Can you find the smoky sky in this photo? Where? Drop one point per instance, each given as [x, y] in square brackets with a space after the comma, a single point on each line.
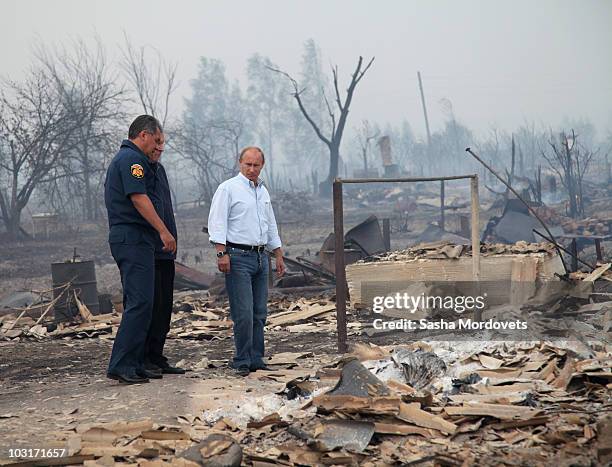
[500, 63]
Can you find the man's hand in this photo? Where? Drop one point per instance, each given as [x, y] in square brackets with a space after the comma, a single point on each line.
[169, 242]
[280, 266]
[145, 207]
[223, 263]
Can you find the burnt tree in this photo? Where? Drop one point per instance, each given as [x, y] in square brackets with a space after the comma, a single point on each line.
[570, 161]
[36, 130]
[365, 135]
[87, 87]
[152, 79]
[334, 136]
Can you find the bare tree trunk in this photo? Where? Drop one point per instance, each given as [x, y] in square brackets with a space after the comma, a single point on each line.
[571, 184]
[86, 175]
[325, 187]
[337, 126]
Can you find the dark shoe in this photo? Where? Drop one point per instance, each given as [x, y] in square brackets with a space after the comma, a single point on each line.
[261, 366]
[127, 379]
[150, 373]
[242, 370]
[173, 370]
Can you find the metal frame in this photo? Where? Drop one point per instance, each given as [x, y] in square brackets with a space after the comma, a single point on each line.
[341, 286]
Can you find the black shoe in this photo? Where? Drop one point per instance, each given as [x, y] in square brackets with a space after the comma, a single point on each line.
[261, 366]
[150, 373]
[173, 370]
[127, 379]
[242, 370]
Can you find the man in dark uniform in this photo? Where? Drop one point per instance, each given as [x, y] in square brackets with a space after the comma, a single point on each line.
[134, 228]
[155, 360]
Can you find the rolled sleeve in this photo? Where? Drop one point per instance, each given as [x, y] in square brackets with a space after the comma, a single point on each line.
[274, 240]
[218, 216]
[132, 170]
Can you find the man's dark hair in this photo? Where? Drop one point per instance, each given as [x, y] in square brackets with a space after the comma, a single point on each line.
[144, 123]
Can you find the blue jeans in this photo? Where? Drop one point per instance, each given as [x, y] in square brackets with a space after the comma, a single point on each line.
[247, 288]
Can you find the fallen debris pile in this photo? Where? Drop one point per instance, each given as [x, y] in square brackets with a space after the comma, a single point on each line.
[447, 250]
[509, 274]
[472, 403]
[595, 225]
[196, 316]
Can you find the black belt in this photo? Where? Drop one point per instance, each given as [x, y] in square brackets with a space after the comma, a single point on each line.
[257, 248]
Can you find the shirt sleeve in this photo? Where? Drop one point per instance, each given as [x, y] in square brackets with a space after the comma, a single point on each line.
[274, 240]
[132, 172]
[218, 216]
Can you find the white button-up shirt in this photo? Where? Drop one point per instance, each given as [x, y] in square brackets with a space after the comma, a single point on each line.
[241, 212]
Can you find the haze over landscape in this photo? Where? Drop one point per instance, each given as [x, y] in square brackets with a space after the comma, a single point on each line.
[499, 63]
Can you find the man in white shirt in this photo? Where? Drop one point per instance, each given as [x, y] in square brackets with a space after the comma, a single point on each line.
[242, 226]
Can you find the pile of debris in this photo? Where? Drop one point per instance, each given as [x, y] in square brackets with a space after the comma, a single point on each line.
[387, 195]
[588, 226]
[504, 272]
[448, 250]
[448, 403]
[595, 225]
[196, 316]
[288, 203]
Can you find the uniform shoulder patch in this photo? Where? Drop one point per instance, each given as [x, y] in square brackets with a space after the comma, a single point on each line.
[137, 171]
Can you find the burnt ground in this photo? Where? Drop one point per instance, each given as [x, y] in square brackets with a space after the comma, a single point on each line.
[44, 383]
[52, 385]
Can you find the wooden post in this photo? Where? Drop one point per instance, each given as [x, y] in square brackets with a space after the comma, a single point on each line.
[598, 249]
[442, 204]
[341, 292]
[475, 238]
[387, 234]
[574, 250]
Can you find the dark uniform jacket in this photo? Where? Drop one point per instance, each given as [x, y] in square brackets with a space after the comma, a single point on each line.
[162, 200]
[128, 173]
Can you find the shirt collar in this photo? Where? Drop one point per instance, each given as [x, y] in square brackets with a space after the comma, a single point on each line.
[129, 144]
[245, 180]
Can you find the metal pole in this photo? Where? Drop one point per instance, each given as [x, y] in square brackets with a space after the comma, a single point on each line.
[529, 208]
[475, 229]
[387, 234]
[424, 110]
[569, 252]
[442, 204]
[341, 292]
[404, 179]
[475, 239]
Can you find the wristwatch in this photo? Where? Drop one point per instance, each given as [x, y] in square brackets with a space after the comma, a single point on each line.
[221, 254]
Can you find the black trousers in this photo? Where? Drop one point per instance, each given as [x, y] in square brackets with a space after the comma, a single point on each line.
[135, 259]
[162, 311]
